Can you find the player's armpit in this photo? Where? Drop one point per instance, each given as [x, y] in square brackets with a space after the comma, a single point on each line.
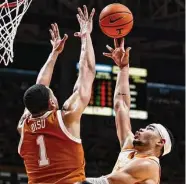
[73, 108]
[80, 98]
[128, 143]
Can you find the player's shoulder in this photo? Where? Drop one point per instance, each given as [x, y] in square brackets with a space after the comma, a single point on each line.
[53, 117]
[144, 168]
[146, 164]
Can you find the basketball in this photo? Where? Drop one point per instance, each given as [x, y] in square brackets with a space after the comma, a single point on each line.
[116, 20]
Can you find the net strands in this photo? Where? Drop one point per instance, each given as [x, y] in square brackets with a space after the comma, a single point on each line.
[10, 17]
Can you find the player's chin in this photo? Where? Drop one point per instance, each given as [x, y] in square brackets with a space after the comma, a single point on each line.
[137, 142]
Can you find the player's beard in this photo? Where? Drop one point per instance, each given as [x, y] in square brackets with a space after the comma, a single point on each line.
[137, 143]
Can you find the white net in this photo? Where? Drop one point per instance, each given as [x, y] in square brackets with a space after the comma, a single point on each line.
[10, 18]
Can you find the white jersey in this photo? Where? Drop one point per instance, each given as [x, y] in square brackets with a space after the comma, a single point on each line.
[128, 155]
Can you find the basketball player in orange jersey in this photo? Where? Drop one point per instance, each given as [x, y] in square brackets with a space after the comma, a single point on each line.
[138, 161]
[50, 143]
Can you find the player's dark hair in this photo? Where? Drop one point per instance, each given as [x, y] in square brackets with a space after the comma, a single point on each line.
[172, 142]
[36, 98]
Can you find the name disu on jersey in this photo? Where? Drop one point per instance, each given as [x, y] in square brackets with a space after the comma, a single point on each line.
[37, 125]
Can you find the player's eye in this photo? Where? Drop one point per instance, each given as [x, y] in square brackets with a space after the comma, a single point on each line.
[150, 128]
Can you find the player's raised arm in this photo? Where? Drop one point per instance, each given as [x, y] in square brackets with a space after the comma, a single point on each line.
[80, 98]
[46, 71]
[122, 93]
[45, 74]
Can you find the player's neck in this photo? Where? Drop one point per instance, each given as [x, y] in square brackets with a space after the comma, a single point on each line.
[142, 153]
[38, 114]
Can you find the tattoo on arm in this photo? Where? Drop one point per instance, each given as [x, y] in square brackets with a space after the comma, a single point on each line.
[122, 94]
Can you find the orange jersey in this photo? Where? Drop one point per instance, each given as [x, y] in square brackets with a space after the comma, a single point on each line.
[51, 154]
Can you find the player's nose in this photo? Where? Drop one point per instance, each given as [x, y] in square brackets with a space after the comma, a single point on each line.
[137, 132]
[141, 130]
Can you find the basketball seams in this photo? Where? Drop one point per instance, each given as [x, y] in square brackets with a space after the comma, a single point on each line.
[113, 36]
[114, 13]
[118, 25]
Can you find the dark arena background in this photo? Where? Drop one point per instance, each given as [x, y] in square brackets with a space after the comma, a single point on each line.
[157, 81]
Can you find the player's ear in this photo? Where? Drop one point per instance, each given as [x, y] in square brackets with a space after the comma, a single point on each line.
[51, 104]
[161, 142]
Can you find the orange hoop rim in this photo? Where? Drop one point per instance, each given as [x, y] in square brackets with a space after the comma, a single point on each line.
[10, 5]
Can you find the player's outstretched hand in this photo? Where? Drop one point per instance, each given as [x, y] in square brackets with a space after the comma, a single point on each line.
[85, 21]
[119, 54]
[56, 41]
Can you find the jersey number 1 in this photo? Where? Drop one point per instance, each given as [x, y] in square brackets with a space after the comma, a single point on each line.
[43, 161]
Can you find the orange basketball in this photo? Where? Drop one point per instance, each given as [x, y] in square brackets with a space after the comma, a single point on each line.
[116, 20]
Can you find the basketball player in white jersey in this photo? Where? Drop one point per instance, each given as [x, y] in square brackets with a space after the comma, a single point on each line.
[138, 161]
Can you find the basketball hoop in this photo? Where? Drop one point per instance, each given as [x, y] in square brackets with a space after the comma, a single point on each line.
[11, 15]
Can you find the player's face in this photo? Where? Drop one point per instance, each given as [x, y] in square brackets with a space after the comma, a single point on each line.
[53, 99]
[148, 136]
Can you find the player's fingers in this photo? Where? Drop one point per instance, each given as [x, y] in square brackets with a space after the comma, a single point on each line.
[51, 42]
[92, 14]
[116, 45]
[79, 19]
[65, 37]
[52, 34]
[81, 13]
[85, 12]
[77, 34]
[127, 52]
[109, 48]
[107, 54]
[57, 29]
[54, 30]
[122, 44]
[122, 58]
